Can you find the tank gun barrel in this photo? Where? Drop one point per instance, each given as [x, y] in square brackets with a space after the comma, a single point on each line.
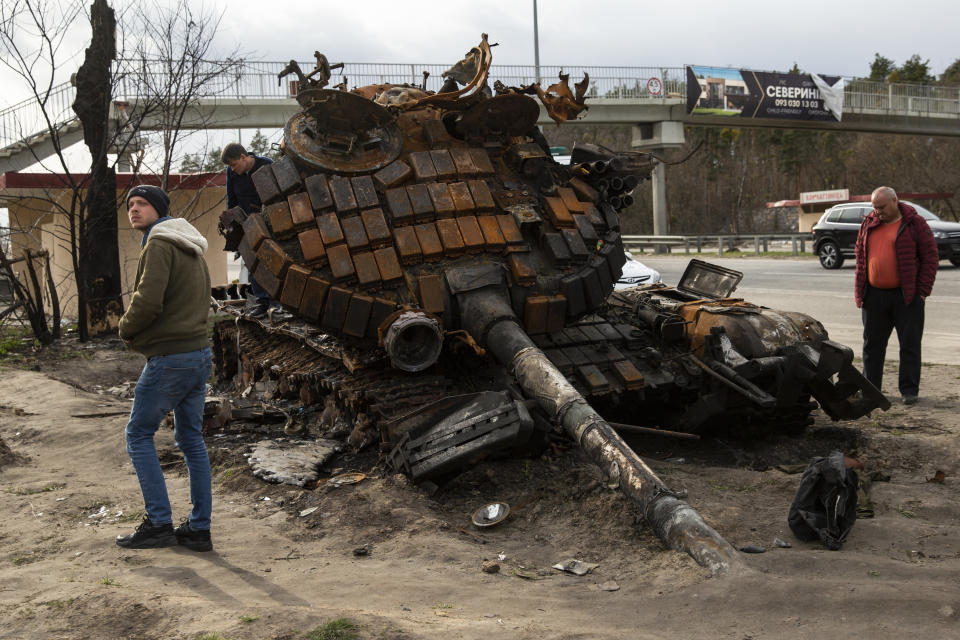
[487, 315]
[413, 341]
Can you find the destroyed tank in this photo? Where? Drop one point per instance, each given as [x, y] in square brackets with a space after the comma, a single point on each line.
[446, 290]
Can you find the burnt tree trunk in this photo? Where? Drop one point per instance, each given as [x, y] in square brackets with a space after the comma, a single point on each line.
[99, 286]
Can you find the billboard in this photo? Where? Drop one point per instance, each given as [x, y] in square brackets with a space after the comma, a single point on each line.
[722, 91]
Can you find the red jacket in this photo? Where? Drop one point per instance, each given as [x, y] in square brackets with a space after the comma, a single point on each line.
[917, 255]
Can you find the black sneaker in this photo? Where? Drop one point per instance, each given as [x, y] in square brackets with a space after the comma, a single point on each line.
[910, 398]
[149, 536]
[193, 539]
[258, 311]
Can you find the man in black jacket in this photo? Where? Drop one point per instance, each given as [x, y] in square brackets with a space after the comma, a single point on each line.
[241, 193]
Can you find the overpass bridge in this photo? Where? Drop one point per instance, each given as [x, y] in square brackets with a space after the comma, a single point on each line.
[249, 96]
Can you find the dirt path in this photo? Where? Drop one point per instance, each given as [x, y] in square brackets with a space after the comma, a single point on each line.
[277, 575]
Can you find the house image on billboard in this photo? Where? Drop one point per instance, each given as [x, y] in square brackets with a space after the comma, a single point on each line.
[721, 89]
[722, 93]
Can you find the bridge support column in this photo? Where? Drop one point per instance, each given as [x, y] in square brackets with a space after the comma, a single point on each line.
[659, 182]
[656, 137]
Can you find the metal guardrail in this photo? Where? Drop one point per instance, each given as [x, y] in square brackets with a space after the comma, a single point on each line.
[258, 80]
[719, 243]
[901, 99]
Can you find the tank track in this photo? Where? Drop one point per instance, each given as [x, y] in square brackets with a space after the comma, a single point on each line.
[247, 348]
[610, 361]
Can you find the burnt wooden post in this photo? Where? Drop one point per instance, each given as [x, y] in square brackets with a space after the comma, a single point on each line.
[97, 255]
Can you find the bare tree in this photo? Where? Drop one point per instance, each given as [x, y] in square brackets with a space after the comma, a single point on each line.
[159, 79]
[32, 36]
[173, 64]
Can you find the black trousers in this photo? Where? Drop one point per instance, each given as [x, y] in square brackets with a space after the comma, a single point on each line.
[883, 311]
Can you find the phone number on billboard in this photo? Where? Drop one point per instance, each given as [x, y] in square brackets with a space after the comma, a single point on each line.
[806, 104]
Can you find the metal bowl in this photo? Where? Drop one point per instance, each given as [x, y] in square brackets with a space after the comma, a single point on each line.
[346, 478]
[490, 514]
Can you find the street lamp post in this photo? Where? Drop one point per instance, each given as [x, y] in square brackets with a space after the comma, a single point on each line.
[536, 41]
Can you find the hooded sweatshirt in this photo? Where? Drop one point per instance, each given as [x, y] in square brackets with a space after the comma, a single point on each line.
[169, 308]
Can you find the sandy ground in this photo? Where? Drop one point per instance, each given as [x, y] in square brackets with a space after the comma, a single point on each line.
[67, 489]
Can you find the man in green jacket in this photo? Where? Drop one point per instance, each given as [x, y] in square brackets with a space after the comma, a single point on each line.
[167, 322]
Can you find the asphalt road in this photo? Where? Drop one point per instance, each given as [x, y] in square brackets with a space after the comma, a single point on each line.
[801, 284]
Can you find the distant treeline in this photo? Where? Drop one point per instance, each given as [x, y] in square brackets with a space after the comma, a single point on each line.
[730, 174]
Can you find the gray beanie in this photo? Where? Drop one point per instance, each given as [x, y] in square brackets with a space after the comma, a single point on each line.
[156, 196]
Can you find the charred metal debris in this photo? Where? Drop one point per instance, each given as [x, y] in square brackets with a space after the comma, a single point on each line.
[444, 293]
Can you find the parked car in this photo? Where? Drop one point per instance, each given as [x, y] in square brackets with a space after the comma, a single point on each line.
[635, 273]
[835, 235]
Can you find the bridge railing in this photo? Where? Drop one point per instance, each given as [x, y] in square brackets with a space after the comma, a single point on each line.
[258, 80]
[26, 118]
[905, 99]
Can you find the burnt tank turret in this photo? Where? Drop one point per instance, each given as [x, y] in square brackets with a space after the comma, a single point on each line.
[409, 236]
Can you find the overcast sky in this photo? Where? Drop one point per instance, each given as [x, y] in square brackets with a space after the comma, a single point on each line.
[837, 37]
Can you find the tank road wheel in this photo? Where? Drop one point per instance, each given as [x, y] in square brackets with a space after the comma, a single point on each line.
[830, 256]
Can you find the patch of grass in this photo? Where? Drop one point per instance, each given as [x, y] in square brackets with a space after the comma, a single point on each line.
[58, 604]
[906, 513]
[339, 629]
[95, 506]
[210, 636]
[108, 582]
[22, 560]
[13, 338]
[715, 112]
[229, 473]
[54, 486]
[9, 344]
[249, 619]
[132, 516]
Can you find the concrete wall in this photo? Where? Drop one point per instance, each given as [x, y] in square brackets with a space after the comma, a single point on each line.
[36, 224]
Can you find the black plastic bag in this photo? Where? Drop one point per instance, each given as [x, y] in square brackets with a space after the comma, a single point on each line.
[825, 506]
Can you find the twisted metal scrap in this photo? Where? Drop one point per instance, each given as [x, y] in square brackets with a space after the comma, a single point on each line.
[561, 103]
[316, 79]
[477, 61]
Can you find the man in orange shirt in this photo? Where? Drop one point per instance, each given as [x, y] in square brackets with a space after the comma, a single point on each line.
[897, 260]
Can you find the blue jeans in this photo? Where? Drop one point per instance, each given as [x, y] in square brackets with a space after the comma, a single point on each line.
[174, 382]
[261, 294]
